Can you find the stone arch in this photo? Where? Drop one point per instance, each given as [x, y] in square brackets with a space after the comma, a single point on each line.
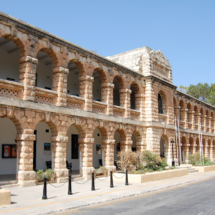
[204, 146]
[45, 68]
[196, 117]
[175, 106]
[8, 147]
[164, 145]
[189, 113]
[212, 122]
[162, 102]
[43, 47]
[191, 149]
[139, 141]
[21, 45]
[99, 81]
[10, 52]
[117, 91]
[181, 110]
[207, 119]
[73, 78]
[209, 149]
[75, 146]
[135, 89]
[99, 146]
[184, 151]
[202, 116]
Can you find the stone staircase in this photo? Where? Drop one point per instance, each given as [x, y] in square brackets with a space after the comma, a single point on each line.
[190, 168]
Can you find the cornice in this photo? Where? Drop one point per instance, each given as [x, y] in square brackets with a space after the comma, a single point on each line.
[154, 78]
[193, 98]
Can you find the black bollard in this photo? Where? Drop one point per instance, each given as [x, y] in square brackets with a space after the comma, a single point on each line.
[111, 179]
[70, 186]
[126, 177]
[44, 189]
[93, 183]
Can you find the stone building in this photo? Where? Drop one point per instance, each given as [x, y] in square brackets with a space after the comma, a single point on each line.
[60, 102]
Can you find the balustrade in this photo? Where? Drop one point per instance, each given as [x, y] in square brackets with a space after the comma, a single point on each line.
[11, 89]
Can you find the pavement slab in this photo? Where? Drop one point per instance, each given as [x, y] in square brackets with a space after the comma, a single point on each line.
[28, 200]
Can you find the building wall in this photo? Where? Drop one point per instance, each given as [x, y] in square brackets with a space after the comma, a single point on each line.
[27, 106]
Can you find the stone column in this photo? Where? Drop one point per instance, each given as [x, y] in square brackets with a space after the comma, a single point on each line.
[108, 149]
[86, 149]
[194, 146]
[140, 104]
[60, 85]
[186, 153]
[206, 147]
[86, 83]
[203, 122]
[151, 106]
[25, 141]
[27, 76]
[107, 98]
[209, 124]
[211, 152]
[125, 145]
[197, 120]
[125, 101]
[59, 156]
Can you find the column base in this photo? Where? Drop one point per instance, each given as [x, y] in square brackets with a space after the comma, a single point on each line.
[87, 171]
[61, 175]
[26, 178]
[110, 168]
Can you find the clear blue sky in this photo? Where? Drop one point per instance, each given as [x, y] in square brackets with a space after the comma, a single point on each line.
[183, 29]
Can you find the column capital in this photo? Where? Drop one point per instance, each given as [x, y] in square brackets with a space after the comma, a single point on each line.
[86, 78]
[107, 85]
[28, 59]
[60, 69]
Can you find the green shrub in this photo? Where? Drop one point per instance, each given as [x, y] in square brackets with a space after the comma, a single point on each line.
[194, 159]
[153, 161]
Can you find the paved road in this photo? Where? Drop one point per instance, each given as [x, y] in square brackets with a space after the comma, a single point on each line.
[194, 199]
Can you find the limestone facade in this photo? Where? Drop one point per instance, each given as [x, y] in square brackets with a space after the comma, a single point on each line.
[141, 78]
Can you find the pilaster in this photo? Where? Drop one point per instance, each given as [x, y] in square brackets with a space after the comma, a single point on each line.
[25, 176]
[60, 85]
[28, 76]
[59, 157]
[86, 83]
[107, 89]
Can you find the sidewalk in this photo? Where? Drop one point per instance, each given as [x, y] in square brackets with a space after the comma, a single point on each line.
[28, 200]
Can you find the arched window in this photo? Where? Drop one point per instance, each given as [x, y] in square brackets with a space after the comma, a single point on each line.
[134, 101]
[44, 71]
[116, 94]
[73, 87]
[9, 60]
[160, 104]
[97, 94]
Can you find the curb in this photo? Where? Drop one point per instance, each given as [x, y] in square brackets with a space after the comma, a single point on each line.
[126, 196]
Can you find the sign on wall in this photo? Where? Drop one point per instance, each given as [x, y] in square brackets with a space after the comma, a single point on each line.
[9, 151]
[47, 148]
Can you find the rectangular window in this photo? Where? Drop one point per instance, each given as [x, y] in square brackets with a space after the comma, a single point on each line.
[74, 146]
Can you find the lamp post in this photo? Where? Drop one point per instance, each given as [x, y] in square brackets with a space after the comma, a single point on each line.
[173, 162]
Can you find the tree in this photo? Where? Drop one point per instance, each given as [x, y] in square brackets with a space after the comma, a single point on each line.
[204, 92]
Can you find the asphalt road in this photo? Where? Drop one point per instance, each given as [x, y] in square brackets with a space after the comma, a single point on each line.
[195, 199]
